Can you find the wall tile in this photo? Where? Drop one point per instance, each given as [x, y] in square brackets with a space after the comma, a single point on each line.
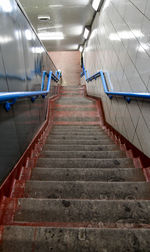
[120, 46]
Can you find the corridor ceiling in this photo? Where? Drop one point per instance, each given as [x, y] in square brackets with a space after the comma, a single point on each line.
[68, 19]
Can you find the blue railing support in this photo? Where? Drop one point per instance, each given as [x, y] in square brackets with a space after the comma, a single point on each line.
[126, 95]
[11, 97]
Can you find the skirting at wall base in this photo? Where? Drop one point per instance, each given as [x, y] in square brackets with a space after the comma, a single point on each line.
[140, 160]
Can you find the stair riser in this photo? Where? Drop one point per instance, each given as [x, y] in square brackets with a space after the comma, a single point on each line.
[64, 174]
[87, 190]
[84, 163]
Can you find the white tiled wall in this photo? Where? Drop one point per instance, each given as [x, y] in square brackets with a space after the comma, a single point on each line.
[120, 45]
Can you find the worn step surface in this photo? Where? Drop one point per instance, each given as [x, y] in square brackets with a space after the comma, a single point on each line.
[84, 163]
[77, 137]
[75, 239]
[76, 133]
[79, 142]
[87, 190]
[83, 154]
[87, 174]
[76, 147]
[83, 211]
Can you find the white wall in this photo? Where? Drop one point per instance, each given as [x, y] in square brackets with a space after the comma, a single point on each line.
[120, 45]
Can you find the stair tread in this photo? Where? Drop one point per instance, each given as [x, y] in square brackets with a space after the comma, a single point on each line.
[82, 154]
[84, 162]
[95, 211]
[94, 174]
[87, 190]
[63, 239]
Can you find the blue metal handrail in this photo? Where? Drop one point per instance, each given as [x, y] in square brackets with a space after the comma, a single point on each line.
[11, 97]
[126, 95]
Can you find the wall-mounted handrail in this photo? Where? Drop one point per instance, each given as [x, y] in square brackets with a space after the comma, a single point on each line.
[125, 95]
[11, 97]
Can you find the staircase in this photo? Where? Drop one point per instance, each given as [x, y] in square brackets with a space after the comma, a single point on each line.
[84, 194]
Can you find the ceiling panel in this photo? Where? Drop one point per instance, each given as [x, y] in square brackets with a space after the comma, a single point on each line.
[66, 16]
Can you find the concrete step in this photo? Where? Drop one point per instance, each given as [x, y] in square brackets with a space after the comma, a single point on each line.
[83, 211]
[82, 154]
[77, 137]
[87, 190]
[74, 102]
[75, 109]
[71, 93]
[76, 119]
[57, 239]
[84, 163]
[87, 174]
[79, 142]
[76, 133]
[85, 127]
[70, 147]
[79, 132]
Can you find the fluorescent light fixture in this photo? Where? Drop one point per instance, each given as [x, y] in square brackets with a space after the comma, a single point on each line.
[51, 35]
[75, 30]
[86, 33]
[55, 6]
[6, 6]
[49, 27]
[95, 4]
[73, 47]
[44, 18]
[81, 49]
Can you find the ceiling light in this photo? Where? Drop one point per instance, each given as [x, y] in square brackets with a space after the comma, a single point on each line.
[95, 4]
[44, 18]
[86, 33]
[73, 47]
[55, 6]
[81, 49]
[51, 35]
[49, 27]
[75, 30]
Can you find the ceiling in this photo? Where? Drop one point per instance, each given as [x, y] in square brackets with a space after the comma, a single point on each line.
[67, 17]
